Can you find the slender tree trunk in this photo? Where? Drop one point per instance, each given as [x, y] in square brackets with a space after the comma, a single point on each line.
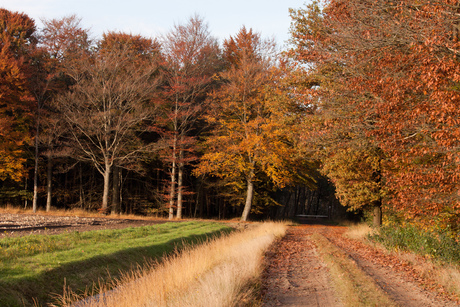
[116, 190]
[26, 202]
[172, 191]
[49, 184]
[105, 194]
[249, 197]
[35, 199]
[377, 214]
[81, 187]
[180, 176]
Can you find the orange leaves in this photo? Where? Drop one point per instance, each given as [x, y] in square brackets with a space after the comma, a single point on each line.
[16, 44]
[252, 124]
[394, 82]
[12, 164]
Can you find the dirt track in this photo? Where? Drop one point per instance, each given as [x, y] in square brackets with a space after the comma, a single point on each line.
[296, 276]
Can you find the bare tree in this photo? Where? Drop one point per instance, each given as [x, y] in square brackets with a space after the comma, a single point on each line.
[108, 105]
[59, 41]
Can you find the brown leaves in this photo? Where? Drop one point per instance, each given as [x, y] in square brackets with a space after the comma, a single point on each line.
[394, 81]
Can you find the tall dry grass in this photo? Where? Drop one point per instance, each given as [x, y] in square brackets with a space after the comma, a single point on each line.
[217, 273]
[359, 232]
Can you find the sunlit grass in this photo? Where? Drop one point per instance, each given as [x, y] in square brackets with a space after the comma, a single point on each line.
[37, 265]
[220, 272]
[359, 232]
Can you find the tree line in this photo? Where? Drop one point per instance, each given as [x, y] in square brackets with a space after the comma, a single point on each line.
[151, 123]
[367, 96]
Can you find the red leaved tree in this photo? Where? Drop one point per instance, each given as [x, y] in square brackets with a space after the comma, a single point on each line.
[393, 66]
[17, 42]
[191, 60]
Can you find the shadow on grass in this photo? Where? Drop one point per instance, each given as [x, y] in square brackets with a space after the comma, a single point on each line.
[81, 276]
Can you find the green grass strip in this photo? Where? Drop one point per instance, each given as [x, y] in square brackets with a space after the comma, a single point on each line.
[36, 267]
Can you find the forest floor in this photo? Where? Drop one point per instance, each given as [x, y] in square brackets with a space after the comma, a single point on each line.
[296, 275]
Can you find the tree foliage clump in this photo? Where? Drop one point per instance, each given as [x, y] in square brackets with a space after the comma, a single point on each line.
[387, 74]
[249, 115]
[17, 44]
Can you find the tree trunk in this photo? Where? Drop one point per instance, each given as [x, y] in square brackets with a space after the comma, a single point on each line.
[249, 197]
[116, 190]
[377, 214]
[82, 197]
[49, 184]
[26, 202]
[173, 182]
[35, 199]
[105, 194]
[180, 176]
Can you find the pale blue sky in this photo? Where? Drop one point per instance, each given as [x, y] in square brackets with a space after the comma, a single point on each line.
[153, 18]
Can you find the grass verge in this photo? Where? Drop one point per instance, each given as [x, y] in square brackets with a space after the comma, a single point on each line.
[435, 256]
[36, 267]
[354, 286]
[220, 272]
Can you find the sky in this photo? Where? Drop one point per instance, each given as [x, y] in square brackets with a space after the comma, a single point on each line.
[156, 17]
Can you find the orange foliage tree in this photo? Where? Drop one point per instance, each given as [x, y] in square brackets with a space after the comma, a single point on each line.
[249, 116]
[394, 67]
[17, 42]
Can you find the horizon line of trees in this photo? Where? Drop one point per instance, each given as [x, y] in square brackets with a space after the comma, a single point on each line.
[129, 123]
[367, 96]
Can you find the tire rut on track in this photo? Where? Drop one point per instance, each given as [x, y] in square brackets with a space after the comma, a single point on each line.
[390, 273]
[296, 276]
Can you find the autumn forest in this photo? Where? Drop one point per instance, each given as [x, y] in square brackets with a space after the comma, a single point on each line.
[359, 116]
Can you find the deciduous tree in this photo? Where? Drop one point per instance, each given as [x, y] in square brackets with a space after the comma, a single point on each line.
[249, 120]
[393, 66]
[60, 41]
[192, 59]
[17, 42]
[108, 104]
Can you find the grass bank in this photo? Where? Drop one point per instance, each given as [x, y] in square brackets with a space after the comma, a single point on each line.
[35, 268]
[434, 255]
[220, 272]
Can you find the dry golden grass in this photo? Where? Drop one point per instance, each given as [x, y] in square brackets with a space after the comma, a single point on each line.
[216, 273]
[359, 231]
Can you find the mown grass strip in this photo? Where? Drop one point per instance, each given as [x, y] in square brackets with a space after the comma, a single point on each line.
[37, 266]
[355, 287]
